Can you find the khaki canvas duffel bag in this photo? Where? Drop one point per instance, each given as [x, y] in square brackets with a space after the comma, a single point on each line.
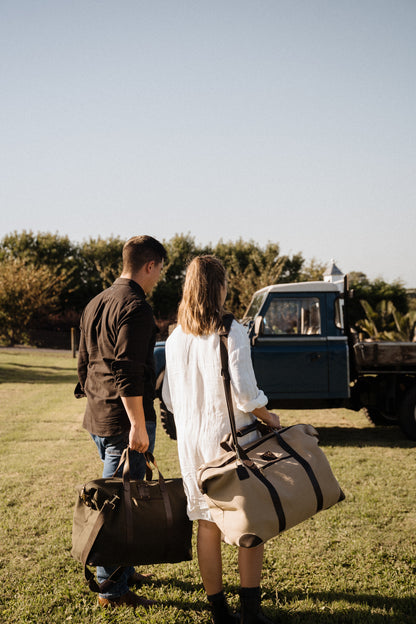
[256, 491]
[278, 481]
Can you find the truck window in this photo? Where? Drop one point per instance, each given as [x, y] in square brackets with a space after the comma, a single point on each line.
[293, 317]
[254, 306]
[339, 313]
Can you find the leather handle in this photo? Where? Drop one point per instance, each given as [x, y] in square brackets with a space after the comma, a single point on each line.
[150, 463]
[150, 466]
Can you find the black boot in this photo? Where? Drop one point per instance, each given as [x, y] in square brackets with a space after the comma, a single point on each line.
[220, 610]
[250, 607]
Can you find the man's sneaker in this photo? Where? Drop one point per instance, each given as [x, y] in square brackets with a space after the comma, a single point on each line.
[130, 599]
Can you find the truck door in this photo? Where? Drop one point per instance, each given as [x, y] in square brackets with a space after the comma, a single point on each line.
[290, 357]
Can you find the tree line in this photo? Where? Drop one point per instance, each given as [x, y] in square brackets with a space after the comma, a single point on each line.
[46, 279]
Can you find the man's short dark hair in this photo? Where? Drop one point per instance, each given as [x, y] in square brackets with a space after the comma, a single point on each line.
[139, 250]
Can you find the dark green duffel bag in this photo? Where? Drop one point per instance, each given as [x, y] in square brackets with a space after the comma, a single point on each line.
[121, 521]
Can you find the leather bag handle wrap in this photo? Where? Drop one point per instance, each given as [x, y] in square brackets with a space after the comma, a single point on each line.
[150, 462]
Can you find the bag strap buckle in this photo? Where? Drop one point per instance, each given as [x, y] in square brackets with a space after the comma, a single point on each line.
[111, 503]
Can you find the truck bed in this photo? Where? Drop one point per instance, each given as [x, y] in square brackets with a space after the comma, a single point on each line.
[385, 356]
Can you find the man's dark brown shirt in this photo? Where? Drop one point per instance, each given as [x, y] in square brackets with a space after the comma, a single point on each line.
[118, 334]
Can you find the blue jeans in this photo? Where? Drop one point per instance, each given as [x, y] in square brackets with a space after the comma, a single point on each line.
[110, 450]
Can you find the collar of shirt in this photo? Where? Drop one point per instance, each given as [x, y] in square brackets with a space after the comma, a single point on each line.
[122, 281]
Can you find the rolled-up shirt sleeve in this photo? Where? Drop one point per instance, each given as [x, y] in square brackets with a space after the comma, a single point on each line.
[246, 394]
[135, 333]
[82, 365]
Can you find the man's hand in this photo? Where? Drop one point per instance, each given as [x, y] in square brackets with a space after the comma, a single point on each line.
[138, 438]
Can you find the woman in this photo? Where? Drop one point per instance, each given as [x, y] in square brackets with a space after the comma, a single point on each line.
[193, 390]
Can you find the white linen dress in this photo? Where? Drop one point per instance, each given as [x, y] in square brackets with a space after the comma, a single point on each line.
[193, 391]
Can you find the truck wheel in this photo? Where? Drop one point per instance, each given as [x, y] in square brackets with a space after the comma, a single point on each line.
[407, 416]
[168, 421]
[378, 418]
[166, 417]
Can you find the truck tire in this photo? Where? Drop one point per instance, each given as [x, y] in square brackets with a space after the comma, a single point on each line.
[378, 418]
[407, 416]
[168, 421]
[166, 417]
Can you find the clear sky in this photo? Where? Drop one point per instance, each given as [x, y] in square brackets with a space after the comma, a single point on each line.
[291, 121]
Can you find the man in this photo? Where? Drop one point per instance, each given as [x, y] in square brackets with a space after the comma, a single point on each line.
[116, 374]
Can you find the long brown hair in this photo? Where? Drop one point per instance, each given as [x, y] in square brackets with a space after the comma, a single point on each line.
[200, 310]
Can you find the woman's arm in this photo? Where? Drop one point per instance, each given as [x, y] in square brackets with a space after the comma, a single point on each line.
[247, 395]
[269, 418]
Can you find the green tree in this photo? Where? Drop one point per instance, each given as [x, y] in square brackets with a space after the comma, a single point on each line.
[85, 268]
[405, 326]
[167, 294]
[99, 263]
[26, 291]
[39, 249]
[53, 251]
[292, 269]
[314, 271]
[385, 322]
[374, 292]
[411, 297]
[251, 267]
[378, 320]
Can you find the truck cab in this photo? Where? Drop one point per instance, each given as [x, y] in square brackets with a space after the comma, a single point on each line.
[299, 345]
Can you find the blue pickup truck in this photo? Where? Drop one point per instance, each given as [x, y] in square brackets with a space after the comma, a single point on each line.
[305, 356]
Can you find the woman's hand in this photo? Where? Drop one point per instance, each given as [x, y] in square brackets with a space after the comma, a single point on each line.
[269, 418]
[274, 421]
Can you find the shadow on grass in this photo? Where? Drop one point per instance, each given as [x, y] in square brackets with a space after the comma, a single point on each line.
[401, 610]
[367, 436]
[398, 610]
[354, 610]
[27, 373]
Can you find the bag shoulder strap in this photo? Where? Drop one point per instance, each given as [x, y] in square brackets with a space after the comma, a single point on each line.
[225, 373]
[226, 323]
[89, 576]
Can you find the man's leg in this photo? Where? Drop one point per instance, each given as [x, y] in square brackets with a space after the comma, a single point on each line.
[110, 450]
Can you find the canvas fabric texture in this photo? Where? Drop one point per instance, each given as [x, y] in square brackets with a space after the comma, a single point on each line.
[283, 479]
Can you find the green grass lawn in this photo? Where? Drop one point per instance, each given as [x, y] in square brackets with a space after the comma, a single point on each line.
[355, 563]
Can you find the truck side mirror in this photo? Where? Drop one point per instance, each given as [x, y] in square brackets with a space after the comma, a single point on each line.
[258, 329]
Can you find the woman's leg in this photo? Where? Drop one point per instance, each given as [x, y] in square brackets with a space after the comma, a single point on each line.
[210, 566]
[250, 563]
[209, 556]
